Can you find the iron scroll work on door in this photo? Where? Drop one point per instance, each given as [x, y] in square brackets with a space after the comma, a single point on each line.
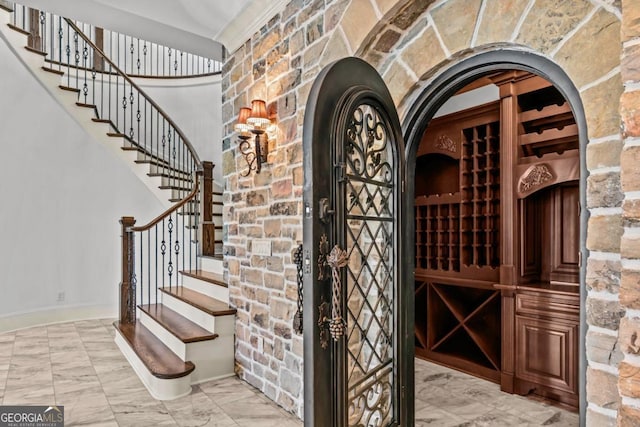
[355, 334]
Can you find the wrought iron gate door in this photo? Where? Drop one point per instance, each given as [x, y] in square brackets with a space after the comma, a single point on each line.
[358, 358]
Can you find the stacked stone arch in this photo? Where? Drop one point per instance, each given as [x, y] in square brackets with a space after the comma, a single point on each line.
[411, 43]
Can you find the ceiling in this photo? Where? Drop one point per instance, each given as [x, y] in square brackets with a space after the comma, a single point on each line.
[197, 26]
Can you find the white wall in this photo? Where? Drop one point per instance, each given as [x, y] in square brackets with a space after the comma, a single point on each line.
[195, 104]
[61, 195]
[472, 98]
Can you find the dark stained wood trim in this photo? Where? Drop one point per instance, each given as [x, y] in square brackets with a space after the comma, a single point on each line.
[52, 70]
[69, 89]
[200, 301]
[172, 209]
[189, 76]
[34, 40]
[98, 62]
[5, 5]
[18, 29]
[36, 51]
[179, 326]
[207, 276]
[157, 357]
[127, 307]
[174, 187]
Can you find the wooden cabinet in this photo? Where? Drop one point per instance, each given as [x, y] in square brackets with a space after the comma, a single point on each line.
[457, 242]
[547, 327]
[497, 229]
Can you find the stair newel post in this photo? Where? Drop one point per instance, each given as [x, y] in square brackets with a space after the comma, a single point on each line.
[208, 227]
[34, 39]
[98, 62]
[127, 284]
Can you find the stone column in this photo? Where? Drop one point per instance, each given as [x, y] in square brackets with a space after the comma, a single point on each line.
[629, 338]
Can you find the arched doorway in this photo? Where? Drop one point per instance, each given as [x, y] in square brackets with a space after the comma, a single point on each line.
[507, 262]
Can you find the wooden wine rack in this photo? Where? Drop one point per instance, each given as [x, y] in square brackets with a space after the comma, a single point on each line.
[457, 248]
[497, 249]
[480, 210]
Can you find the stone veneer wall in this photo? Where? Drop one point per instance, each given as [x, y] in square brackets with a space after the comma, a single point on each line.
[629, 368]
[409, 42]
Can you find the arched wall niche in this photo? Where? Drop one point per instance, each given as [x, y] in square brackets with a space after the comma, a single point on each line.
[454, 75]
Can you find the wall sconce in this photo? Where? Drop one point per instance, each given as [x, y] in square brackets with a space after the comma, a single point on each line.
[253, 121]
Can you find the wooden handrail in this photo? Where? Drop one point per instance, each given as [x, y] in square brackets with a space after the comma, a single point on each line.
[172, 209]
[133, 84]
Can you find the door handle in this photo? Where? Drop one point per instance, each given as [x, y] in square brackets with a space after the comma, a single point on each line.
[337, 259]
[324, 213]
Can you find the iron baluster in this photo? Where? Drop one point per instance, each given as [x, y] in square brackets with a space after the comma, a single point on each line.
[132, 49]
[76, 55]
[131, 98]
[68, 62]
[43, 33]
[177, 245]
[85, 57]
[170, 265]
[144, 58]
[168, 61]
[149, 265]
[141, 271]
[124, 105]
[156, 259]
[163, 251]
[93, 89]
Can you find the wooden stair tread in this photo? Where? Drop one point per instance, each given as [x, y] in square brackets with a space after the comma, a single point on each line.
[53, 71]
[200, 301]
[18, 29]
[207, 276]
[174, 187]
[181, 327]
[70, 89]
[7, 8]
[157, 357]
[36, 51]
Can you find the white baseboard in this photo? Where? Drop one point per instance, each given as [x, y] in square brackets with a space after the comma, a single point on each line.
[50, 316]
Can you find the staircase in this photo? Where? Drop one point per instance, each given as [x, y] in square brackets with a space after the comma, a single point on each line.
[185, 338]
[176, 326]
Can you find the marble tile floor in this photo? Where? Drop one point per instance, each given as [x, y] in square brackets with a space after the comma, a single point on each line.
[78, 365]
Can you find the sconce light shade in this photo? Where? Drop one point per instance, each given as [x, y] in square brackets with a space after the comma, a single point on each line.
[254, 120]
[241, 125]
[259, 118]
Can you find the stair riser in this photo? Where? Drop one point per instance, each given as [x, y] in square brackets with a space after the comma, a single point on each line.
[181, 180]
[210, 289]
[179, 194]
[221, 325]
[213, 358]
[214, 363]
[216, 219]
[49, 79]
[161, 389]
[211, 264]
[167, 338]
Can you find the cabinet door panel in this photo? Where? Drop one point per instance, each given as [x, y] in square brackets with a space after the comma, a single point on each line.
[547, 353]
[565, 234]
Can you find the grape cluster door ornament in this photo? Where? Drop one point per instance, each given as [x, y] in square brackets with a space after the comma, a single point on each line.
[358, 354]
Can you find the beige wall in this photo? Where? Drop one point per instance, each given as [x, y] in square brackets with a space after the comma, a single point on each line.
[410, 43]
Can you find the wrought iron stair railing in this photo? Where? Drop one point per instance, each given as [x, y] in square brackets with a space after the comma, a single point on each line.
[135, 56]
[153, 254]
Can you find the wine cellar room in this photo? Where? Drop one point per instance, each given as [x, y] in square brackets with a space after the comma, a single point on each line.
[497, 237]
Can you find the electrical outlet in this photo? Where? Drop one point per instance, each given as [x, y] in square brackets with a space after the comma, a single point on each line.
[60, 296]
